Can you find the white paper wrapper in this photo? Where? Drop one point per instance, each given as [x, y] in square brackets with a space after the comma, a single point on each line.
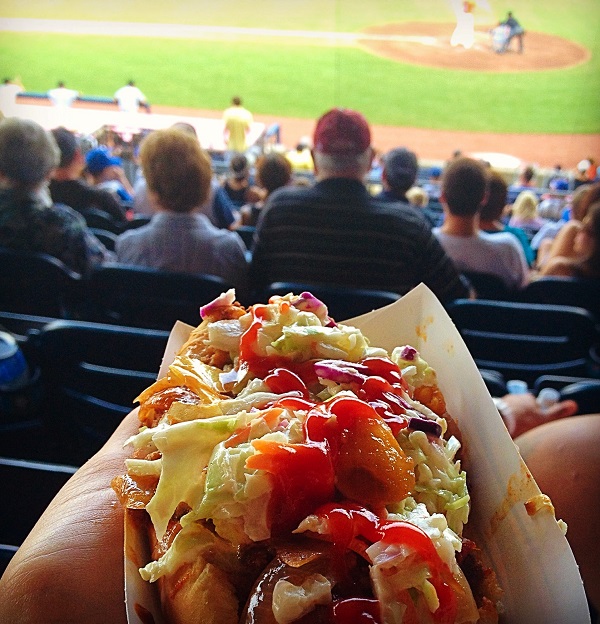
[531, 556]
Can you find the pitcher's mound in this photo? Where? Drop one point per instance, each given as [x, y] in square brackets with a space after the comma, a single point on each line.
[429, 44]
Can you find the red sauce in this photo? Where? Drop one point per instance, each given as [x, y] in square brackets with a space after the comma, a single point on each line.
[303, 479]
[355, 610]
[357, 528]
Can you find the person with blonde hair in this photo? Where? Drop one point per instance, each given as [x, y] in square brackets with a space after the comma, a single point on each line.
[179, 238]
[524, 213]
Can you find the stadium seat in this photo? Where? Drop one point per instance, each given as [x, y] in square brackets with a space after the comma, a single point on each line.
[37, 284]
[526, 341]
[91, 374]
[145, 297]
[106, 237]
[246, 233]
[489, 286]
[28, 487]
[101, 220]
[342, 303]
[581, 292]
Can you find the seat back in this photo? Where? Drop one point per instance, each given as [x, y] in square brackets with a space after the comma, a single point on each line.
[101, 220]
[37, 284]
[150, 298]
[581, 292]
[585, 393]
[246, 233]
[343, 303]
[106, 237]
[489, 286]
[525, 341]
[28, 487]
[91, 375]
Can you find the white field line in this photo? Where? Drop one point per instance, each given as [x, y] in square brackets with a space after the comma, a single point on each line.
[185, 31]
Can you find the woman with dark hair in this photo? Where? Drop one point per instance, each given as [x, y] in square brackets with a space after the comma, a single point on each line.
[272, 172]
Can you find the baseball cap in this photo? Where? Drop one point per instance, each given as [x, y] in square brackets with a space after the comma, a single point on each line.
[342, 131]
[99, 159]
[583, 165]
[401, 168]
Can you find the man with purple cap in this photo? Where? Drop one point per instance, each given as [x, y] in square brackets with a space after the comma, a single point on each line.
[335, 232]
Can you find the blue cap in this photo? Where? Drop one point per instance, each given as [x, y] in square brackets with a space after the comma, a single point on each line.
[99, 159]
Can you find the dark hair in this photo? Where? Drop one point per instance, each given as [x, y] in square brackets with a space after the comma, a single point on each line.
[239, 166]
[464, 185]
[273, 171]
[67, 143]
[496, 200]
[236, 101]
[528, 174]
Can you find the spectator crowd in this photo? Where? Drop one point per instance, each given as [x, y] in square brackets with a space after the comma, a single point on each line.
[318, 220]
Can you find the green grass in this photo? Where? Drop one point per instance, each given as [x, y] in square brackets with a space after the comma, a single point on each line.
[294, 80]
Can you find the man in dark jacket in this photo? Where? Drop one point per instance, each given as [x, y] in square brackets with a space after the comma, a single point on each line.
[335, 232]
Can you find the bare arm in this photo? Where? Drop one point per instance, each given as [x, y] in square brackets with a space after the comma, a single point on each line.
[562, 246]
[564, 460]
[70, 567]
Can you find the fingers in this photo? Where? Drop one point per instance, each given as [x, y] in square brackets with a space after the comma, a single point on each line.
[563, 409]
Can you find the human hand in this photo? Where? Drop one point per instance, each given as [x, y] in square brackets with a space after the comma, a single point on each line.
[521, 412]
[70, 567]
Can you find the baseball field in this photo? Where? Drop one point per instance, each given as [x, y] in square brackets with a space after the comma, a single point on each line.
[390, 59]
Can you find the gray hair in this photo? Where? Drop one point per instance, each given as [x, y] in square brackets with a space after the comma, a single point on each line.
[28, 153]
[335, 164]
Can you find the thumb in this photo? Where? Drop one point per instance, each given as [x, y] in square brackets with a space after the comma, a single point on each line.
[562, 409]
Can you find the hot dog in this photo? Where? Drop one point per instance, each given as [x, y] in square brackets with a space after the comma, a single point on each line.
[288, 471]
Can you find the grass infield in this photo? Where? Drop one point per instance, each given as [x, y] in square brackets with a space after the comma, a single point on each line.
[302, 78]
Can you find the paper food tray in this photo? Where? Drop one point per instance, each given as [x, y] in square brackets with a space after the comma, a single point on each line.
[531, 556]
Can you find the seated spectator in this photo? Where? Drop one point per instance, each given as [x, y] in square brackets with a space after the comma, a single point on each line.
[585, 261]
[237, 184]
[525, 180]
[524, 214]
[563, 244]
[581, 173]
[300, 158]
[28, 219]
[67, 187]
[490, 214]
[336, 232]
[141, 203]
[272, 172]
[399, 173]
[464, 189]
[552, 203]
[107, 173]
[419, 198]
[542, 241]
[178, 238]
[432, 186]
